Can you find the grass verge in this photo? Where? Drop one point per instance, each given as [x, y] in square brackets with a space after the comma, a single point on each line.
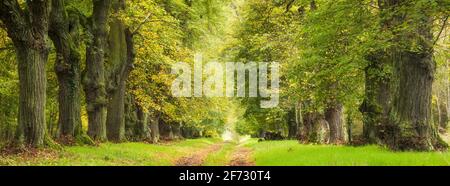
[292, 153]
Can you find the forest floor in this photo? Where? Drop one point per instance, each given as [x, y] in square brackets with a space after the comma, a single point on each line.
[215, 152]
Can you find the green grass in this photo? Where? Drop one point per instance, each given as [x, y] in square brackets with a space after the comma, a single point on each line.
[221, 157]
[281, 153]
[115, 154]
[264, 153]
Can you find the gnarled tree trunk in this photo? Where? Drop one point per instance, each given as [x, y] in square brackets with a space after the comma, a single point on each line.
[315, 129]
[410, 123]
[376, 104]
[64, 31]
[28, 31]
[411, 119]
[121, 59]
[333, 115]
[94, 81]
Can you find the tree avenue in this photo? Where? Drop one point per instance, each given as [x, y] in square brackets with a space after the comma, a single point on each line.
[347, 72]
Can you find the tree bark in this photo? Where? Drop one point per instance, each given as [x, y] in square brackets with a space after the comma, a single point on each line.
[165, 130]
[410, 123]
[154, 128]
[94, 81]
[444, 116]
[136, 121]
[28, 31]
[64, 32]
[176, 129]
[142, 128]
[308, 121]
[333, 115]
[376, 104]
[350, 128]
[411, 119]
[32, 83]
[292, 124]
[299, 119]
[447, 83]
[121, 60]
[315, 129]
[131, 117]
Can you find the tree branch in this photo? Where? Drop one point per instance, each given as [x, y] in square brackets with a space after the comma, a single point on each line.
[442, 29]
[141, 24]
[13, 19]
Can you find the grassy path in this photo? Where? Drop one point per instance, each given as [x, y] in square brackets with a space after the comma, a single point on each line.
[242, 157]
[198, 158]
[214, 152]
[230, 154]
[222, 156]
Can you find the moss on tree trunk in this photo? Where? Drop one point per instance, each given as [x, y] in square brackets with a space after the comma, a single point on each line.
[375, 107]
[28, 29]
[64, 32]
[94, 81]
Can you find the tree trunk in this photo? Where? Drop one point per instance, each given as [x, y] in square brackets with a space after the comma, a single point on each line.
[142, 128]
[154, 128]
[117, 56]
[28, 31]
[315, 129]
[436, 112]
[117, 89]
[32, 97]
[308, 122]
[410, 125]
[447, 83]
[64, 31]
[95, 71]
[411, 121]
[444, 116]
[121, 59]
[299, 119]
[292, 124]
[333, 115]
[165, 130]
[176, 129]
[116, 115]
[350, 128]
[188, 132]
[131, 117]
[375, 107]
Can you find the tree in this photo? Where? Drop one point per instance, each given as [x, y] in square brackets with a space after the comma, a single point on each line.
[334, 117]
[94, 80]
[410, 124]
[27, 29]
[120, 63]
[64, 30]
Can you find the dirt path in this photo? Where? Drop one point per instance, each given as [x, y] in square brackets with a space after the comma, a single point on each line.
[198, 158]
[241, 157]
